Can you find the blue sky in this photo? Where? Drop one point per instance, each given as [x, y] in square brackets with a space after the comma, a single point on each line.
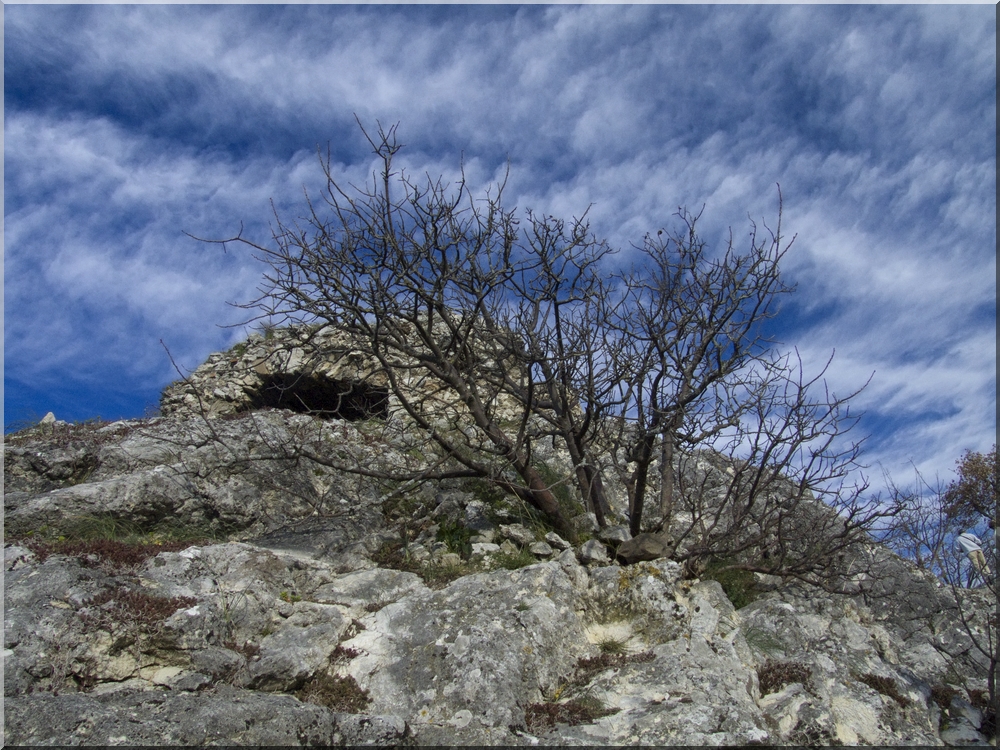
[127, 126]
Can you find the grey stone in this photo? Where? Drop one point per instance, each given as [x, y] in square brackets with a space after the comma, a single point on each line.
[961, 732]
[299, 649]
[614, 534]
[517, 533]
[540, 549]
[641, 548]
[557, 541]
[508, 547]
[481, 549]
[593, 552]
[443, 663]
[222, 716]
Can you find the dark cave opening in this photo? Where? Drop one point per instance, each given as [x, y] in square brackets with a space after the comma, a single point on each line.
[322, 396]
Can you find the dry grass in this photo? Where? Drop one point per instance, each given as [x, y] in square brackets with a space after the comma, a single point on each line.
[774, 675]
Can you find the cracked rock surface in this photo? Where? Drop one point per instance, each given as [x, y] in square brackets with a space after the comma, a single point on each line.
[285, 622]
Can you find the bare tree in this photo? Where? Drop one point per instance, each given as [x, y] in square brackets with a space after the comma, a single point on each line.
[491, 335]
[926, 533]
[415, 273]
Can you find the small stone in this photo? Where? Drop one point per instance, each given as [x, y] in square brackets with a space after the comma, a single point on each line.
[540, 549]
[593, 552]
[450, 560]
[508, 547]
[518, 533]
[557, 541]
[49, 418]
[165, 675]
[485, 549]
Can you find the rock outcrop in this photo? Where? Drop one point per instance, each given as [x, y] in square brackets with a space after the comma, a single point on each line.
[169, 582]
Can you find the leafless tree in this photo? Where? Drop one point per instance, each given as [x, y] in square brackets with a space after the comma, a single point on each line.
[492, 334]
[926, 532]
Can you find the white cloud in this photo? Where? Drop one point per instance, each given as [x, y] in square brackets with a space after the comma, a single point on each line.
[879, 123]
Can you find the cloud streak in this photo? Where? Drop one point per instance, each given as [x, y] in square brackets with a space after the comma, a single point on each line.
[128, 125]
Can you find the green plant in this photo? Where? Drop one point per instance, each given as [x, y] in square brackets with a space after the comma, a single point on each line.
[740, 585]
[290, 598]
[456, 536]
[512, 560]
[762, 640]
[560, 488]
[612, 646]
[106, 527]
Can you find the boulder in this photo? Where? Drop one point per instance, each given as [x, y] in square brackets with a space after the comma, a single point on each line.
[642, 548]
[614, 534]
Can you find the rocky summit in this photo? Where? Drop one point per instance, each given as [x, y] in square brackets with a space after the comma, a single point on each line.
[180, 581]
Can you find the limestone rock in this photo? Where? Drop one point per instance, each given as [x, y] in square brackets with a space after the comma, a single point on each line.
[518, 533]
[557, 541]
[614, 534]
[641, 548]
[211, 644]
[593, 552]
[221, 716]
[540, 549]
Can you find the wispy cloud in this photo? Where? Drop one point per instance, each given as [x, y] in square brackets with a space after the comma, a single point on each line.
[128, 125]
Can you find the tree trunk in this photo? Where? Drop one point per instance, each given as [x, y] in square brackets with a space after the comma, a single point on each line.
[540, 496]
[667, 480]
[638, 482]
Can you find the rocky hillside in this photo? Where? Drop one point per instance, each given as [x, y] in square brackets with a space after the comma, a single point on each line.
[174, 581]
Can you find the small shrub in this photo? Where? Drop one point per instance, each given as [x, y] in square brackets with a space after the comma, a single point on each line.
[343, 654]
[540, 717]
[115, 554]
[335, 693]
[612, 646]
[456, 536]
[943, 695]
[128, 615]
[512, 561]
[884, 685]
[775, 675]
[290, 598]
[740, 585]
[248, 649]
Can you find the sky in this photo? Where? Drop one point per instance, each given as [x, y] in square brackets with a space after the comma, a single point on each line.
[128, 128]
